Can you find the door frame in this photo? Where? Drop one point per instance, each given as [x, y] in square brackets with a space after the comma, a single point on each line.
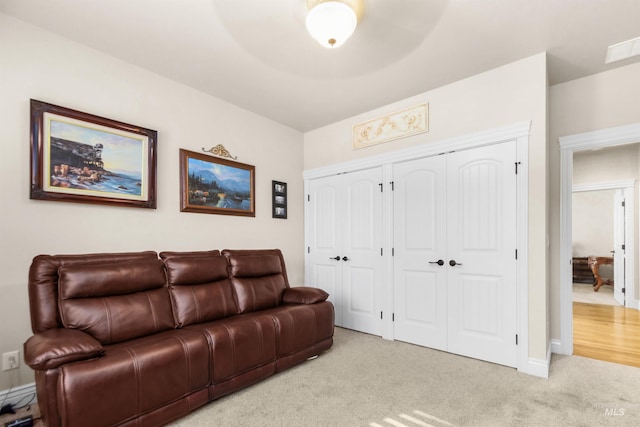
[609, 137]
[518, 133]
[627, 187]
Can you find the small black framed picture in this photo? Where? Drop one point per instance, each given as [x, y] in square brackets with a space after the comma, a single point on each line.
[279, 199]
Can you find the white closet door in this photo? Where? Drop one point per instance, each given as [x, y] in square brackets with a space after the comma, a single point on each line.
[345, 240]
[361, 250]
[481, 240]
[420, 284]
[325, 240]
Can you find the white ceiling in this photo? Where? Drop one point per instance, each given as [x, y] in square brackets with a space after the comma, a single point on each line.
[256, 53]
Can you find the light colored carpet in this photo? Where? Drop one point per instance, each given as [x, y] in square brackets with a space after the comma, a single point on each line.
[367, 381]
[583, 292]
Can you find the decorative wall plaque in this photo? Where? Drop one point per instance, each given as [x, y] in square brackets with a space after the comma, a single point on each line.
[404, 123]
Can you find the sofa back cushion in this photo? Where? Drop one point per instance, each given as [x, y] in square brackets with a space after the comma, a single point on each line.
[258, 277]
[199, 286]
[115, 302]
[43, 282]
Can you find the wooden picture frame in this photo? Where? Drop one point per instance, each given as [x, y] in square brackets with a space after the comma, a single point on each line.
[82, 158]
[216, 186]
[279, 199]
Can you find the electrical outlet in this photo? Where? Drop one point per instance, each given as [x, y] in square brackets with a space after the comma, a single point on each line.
[10, 360]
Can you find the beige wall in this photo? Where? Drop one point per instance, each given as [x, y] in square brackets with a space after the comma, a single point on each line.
[600, 101]
[609, 164]
[36, 64]
[592, 167]
[592, 223]
[503, 96]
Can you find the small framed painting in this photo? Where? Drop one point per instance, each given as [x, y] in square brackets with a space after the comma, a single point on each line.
[216, 186]
[82, 158]
[279, 199]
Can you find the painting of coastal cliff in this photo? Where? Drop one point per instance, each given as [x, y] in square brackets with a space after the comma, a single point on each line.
[79, 157]
[213, 185]
[96, 161]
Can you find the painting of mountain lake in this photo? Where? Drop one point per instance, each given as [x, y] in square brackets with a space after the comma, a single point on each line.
[215, 185]
[85, 158]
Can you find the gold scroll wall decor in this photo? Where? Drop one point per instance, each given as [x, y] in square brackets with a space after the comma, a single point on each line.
[220, 151]
[404, 123]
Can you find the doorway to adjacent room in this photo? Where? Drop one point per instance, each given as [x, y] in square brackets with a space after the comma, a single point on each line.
[610, 328]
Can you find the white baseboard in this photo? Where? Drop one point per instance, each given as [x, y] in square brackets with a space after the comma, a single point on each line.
[538, 367]
[21, 395]
[556, 346]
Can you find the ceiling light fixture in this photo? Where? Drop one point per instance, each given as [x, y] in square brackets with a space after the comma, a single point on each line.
[331, 23]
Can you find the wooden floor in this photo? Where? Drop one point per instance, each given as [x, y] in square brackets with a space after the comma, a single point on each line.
[606, 332]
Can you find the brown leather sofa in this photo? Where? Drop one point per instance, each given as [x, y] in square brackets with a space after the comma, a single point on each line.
[136, 339]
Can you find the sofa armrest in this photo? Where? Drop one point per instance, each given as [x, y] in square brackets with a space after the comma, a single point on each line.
[304, 295]
[55, 347]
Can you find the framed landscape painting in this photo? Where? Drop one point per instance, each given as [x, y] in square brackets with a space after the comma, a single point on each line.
[216, 186]
[82, 158]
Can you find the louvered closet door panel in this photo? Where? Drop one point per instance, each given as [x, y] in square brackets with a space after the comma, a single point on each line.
[419, 242]
[361, 245]
[481, 215]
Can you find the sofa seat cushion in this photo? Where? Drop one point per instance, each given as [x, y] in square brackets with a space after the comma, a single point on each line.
[302, 326]
[239, 344]
[115, 302]
[199, 286]
[134, 377]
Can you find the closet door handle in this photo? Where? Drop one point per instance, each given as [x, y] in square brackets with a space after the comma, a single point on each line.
[439, 262]
[344, 258]
[337, 258]
[453, 263]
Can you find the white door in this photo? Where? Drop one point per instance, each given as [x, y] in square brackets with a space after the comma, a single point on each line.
[481, 252]
[420, 291]
[458, 208]
[345, 242]
[619, 215]
[362, 251]
[325, 239]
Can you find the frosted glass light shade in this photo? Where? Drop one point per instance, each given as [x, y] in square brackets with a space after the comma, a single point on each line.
[331, 23]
